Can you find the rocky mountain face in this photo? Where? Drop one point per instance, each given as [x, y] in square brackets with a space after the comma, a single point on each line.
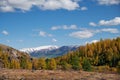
[49, 51]
[11, 51]
[7, 54]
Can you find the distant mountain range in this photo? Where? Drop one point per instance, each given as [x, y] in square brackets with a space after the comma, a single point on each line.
[49, 51]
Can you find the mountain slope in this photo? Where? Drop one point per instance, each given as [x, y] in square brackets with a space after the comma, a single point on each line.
[12, 58]
[49, 51]
[11, 51]
[30, 50]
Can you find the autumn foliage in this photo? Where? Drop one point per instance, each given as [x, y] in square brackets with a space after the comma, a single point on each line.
[102, 53]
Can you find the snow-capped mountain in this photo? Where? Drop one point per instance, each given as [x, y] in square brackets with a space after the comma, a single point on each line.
[48, 48]
[49, 51]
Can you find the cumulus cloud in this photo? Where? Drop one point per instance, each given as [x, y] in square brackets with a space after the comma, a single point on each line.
[6, 9]
[20, 40]
[108, 2]
[26, 5]
[83, 8]
[82, 34]
[54, 40]
[55, 28]
[5, 32]
[112, 22]
[8, 41]
[93, 41]
[87, 33]
[92, 24]
[65, 27]
[44, 34]
[111, 30]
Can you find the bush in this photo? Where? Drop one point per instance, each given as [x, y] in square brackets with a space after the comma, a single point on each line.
[114, 69]
[75, 62]
[52, 64]
[86, 65]
[65, 65]
[118, 67]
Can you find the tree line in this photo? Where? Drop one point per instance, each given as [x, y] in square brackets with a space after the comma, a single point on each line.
[103, 53]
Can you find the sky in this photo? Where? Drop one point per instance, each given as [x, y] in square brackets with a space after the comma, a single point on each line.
[33, 23]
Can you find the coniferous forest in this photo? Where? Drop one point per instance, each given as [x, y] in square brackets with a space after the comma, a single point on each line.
[100, 56]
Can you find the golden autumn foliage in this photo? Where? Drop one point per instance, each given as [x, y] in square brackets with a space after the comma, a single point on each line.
[104, 54]
[41, 63]
[52, 64]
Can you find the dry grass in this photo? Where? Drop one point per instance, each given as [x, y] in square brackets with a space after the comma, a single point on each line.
[9, 74]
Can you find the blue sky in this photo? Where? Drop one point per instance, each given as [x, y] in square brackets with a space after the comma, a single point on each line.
[33, 23]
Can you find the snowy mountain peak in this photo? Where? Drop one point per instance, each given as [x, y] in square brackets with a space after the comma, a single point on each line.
[49, 47]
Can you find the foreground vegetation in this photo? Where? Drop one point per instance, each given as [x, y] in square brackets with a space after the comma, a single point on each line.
[103, 56]
[22, 74]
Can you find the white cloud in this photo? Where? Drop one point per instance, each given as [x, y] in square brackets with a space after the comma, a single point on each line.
[87, 33]
[112, 22]
[55, 28]
[8, 41]
[92, 24]
[11, 5]
[6, 9]
[82, 34]
[49, 35]
[83, 8]
[93, 41]
[5, 32]
[54, 40]
[111, 30]
[44, 34]
[20, 40]
[65, 27]
[108, 2]
[60, 4]
[26, 5]
[69, 27]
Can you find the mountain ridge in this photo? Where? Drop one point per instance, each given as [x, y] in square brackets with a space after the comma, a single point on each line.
[29, 50]
[49, 51]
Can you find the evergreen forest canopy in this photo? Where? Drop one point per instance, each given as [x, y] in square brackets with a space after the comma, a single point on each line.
[103, 53]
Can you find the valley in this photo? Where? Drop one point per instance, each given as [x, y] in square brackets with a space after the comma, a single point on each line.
[95, 61]
[59, 39]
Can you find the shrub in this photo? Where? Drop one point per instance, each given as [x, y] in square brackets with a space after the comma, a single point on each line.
[118, 67]
[65, 65]
[75, 62]
[86, 65]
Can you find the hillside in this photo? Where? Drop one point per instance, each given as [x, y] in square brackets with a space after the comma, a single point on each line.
[14, 53]
[12, 58]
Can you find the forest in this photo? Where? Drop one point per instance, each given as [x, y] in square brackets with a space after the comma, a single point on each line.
[100, 56]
